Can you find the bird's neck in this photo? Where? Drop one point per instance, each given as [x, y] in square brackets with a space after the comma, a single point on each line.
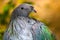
[15, 17]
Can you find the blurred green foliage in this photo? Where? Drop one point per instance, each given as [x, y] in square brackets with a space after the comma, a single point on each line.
[1, 36]
[29, 2]
[5, 13]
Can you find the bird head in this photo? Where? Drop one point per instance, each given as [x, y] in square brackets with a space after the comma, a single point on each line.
[23, 10]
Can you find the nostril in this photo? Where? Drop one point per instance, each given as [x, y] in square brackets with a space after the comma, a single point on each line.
[31, 7]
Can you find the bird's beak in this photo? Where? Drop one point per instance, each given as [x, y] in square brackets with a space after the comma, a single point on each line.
[32, 13]
[35, 11]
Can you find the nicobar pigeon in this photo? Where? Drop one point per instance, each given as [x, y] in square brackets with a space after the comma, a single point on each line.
[22, 27]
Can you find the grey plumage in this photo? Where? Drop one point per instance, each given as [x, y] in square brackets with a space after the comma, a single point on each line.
[22, 10]
[22, 27]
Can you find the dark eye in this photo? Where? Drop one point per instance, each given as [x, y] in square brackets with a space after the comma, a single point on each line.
[22, 8]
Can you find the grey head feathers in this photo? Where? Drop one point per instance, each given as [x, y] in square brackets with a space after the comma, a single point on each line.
[22, 10]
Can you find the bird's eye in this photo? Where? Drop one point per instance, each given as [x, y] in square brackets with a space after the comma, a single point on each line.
[22, 8]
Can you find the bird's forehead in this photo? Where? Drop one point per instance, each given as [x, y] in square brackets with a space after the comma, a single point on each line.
[25, 5]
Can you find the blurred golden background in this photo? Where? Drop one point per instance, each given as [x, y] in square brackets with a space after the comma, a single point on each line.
[48, 11]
